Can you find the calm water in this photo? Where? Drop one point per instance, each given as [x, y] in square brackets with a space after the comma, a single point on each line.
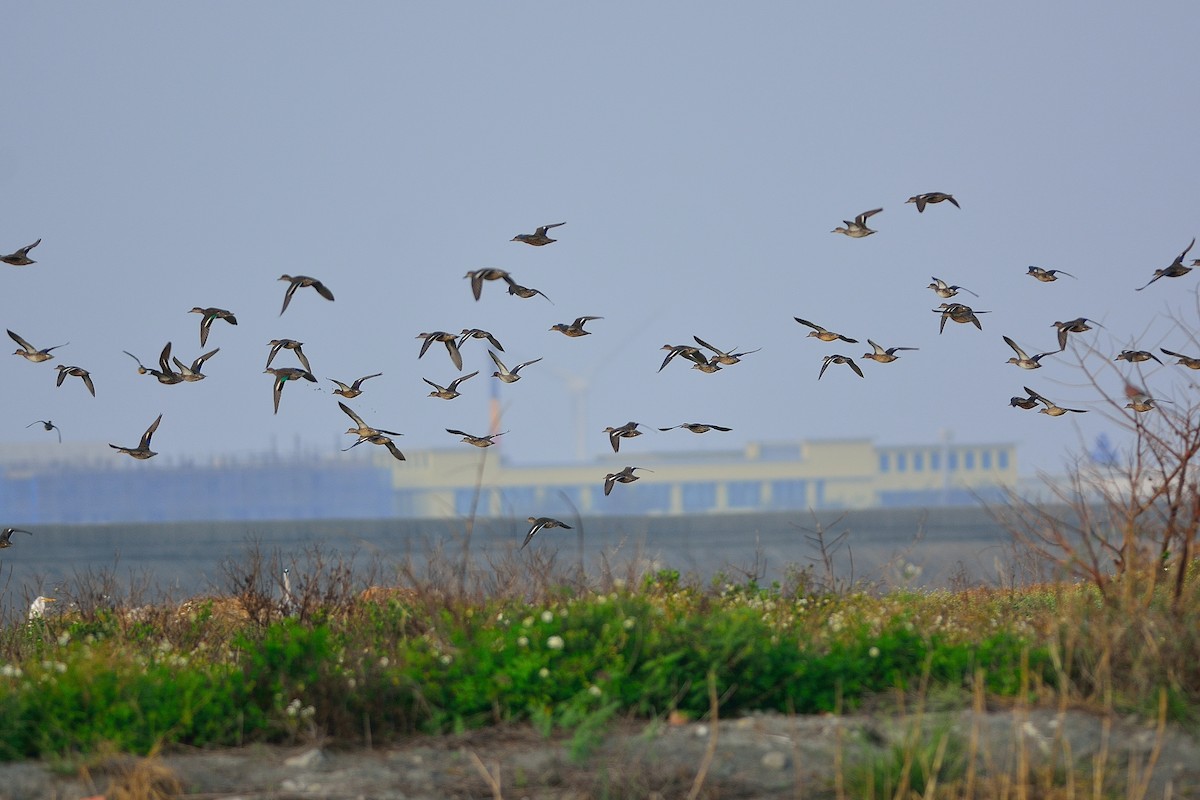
[922, 548]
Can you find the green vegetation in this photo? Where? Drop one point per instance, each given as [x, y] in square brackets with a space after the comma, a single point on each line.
[572, 655]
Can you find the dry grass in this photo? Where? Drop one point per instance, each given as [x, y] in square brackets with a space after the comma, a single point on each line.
[144, 779]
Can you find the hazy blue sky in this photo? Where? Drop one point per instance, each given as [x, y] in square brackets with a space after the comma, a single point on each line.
[174, 155]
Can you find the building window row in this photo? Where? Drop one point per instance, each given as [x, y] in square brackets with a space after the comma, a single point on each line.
[966, 459]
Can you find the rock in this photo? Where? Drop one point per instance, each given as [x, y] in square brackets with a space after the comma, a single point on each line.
[309, 759]
[774, 760]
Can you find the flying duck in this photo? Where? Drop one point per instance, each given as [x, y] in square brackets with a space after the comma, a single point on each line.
[77, 372]
[208, 316]
[524, 291]
[857, 228]
[683, 350]
[839, 359]
[142, 451]
[285, 374]
[1048, 275]
[165, 375]
[287, 344]
[627, 431]
[697, 427]
[624, 476]
[192, 373]
[575, 328]
[478, 333]
[477, 441]
[504, 373]
[6, 536]
[1134, 356]
[1050, 408]
[720, 356]
[1141, 403]
[446, 338]
[48, 426]
[478, 276]
[21, 257]
[929, 198]
[1077, 325]
[1175, 269]
[542, 523]
[448, 392]
[31, 353]
[379, 439]
[1187, 361]
[354, 389]
[1024, 402]
[708, 366]
[363, 431]
[958, 313]
[882, 356]
[299, 281]
[538, 238]
[821, 333]
[945, 290]
[1023, 359]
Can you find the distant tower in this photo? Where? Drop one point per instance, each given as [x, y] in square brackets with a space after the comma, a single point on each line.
[494, 409]
[577, 386]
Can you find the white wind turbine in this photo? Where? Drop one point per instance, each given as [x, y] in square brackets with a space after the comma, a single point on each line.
[578, 387]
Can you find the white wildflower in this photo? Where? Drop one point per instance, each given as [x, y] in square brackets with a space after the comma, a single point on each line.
[873, 652]
[594, 690]
[523, 641]
[547, 616]
[543, 673]
[555, 643]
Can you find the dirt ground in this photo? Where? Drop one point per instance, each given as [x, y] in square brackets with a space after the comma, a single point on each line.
[760, 756]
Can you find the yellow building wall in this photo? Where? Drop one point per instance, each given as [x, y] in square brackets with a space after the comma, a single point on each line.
[852, 473]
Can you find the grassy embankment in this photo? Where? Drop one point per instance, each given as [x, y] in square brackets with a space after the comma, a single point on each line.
[569, 654]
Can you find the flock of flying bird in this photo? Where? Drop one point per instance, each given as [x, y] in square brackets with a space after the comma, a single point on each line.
[170, 370]
[1139, 401]
[702, 356]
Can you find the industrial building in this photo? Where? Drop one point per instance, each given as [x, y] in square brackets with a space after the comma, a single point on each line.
[80, 483]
